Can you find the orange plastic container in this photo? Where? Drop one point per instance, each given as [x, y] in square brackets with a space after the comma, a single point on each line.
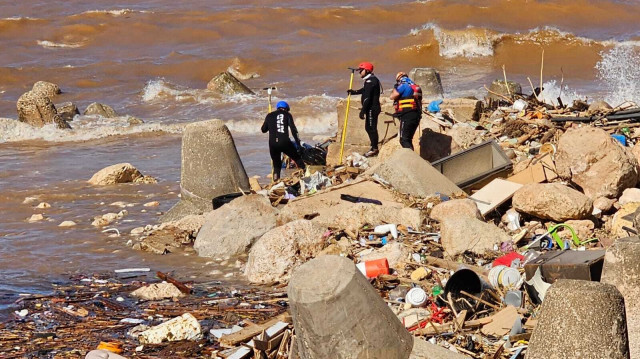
[374, 268]
[113, 347]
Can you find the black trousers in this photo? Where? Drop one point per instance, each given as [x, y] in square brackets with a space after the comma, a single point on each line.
[409, 122]
[276, 150]
[371, 126]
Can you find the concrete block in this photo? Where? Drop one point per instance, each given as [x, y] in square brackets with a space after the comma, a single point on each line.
[580, 319]
[622, 269]
[429, 80]
[407, 172]
[338, 314]
[463, 109]
[499, 87]
[356, 135]
[211, 167]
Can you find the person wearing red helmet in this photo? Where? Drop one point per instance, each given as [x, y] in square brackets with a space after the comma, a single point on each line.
[407, 100]
[370, 104]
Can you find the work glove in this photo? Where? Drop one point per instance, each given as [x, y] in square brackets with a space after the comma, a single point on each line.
[361, 115]
[351, 92]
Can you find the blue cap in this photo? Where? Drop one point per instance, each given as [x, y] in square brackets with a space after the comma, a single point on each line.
[282, 104]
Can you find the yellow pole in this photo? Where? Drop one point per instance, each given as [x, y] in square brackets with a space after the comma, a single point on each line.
[346, 117]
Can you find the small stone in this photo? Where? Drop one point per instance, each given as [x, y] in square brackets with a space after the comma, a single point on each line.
[118, 204]
[43, 205]
[29, 200]
[36, 218]
[152, 204]
[137, 231]
[122, 213]
[157, 291]
[67, 224]
[101, 221]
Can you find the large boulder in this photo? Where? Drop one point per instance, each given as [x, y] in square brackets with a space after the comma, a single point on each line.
[231, 229]
[46, 89]
[99, 109]
[429, 81]
[226, 84]
[629, 195]
[38, 110]
[273, 257]
[211, 167]
[329, 210]
[407, 172]
[470, 234]
[596, 162]
[455, 208]
[552, 201]
[118, 173]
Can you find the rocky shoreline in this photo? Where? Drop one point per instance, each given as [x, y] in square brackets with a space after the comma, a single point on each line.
[496, 182]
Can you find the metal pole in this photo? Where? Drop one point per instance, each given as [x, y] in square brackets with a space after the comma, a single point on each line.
[346, 116]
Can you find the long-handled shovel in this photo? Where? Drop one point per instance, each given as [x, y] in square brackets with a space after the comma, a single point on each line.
[346, 116]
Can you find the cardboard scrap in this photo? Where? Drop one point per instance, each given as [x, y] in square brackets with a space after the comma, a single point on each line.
[542, 171]
[502, 322]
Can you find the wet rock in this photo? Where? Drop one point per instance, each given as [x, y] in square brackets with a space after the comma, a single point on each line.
[226, 84]
[118, 173]
[152, 204]
[137, 231]
[184, 327]
[67, 111]
[106, 219]
[470, 234]
[38, 110]
[157, 291]
[394, 252]
[407, 172]
[134, 121]
[211, 167]
[231, 229]
[67, 224]
[190, 224]
[274, 256]
[590, 158]
[42, 205]
[46, 89]
[36, 217]
[100, 110]
[629, 195]
[29, 200]
[455, 208]
[552, 201]
[499, 87]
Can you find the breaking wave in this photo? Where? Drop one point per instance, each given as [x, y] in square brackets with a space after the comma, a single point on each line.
[115, 12]
[619, 71]
[52, 45]
[84, 128]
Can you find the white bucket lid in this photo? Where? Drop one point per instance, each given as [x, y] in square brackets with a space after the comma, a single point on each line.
[416, 297]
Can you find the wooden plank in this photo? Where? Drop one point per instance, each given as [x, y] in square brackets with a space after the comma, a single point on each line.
[250, 332]
[542, 171]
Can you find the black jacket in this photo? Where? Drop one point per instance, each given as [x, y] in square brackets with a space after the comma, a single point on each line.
[370, 94]
[278, 123]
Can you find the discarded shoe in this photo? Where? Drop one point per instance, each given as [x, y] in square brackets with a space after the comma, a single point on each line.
[372, 152]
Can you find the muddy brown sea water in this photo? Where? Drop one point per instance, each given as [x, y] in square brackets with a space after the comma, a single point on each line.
[152, 59]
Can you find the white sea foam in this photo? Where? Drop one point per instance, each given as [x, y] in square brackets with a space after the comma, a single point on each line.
[84, 128]
[19, 18]
[619, 71]
[470, 42]
[161, 89]
[323, 123]
[115, 12]
[552, 92]
[51, 45]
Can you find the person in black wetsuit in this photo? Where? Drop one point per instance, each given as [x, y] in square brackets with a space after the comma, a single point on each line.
[370, 104]
[278, 124]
